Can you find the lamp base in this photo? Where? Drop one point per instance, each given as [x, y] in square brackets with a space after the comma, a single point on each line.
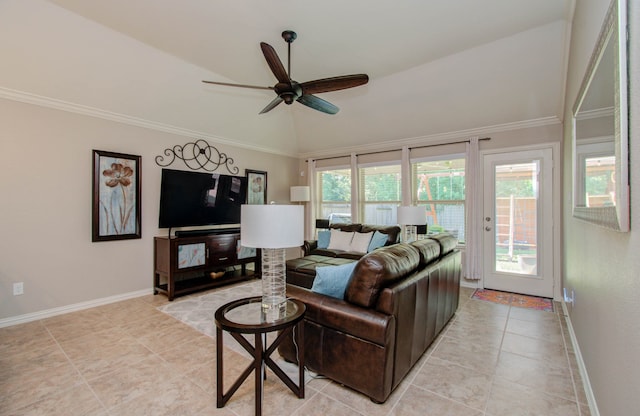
[274, 290]
[409, 233]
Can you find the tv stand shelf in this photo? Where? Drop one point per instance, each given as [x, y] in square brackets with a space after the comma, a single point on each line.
[184, 265]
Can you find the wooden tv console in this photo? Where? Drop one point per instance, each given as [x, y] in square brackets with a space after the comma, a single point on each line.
[185, 265]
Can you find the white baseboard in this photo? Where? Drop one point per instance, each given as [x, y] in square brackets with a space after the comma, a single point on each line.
[591, 399]
[48, 313]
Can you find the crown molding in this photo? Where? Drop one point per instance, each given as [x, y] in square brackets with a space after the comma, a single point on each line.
[56, 104]
[439, 138]
[597, 113]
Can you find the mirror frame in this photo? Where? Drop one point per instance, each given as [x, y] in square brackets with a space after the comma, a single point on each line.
[614, 30]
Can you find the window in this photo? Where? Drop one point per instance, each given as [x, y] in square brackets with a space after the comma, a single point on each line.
[440, 186]
[595, 173]
[380, 194]
[335, 195]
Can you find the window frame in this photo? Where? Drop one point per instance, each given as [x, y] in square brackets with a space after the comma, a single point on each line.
[362, 202]
[435, 202]
[320, 203]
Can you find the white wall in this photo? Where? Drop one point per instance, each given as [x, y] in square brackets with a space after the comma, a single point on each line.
[45, 207]
[600, 265]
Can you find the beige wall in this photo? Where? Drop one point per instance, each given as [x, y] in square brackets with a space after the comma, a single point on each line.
[601, 266]
[45, 207]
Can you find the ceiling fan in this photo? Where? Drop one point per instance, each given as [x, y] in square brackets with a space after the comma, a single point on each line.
[289, 90]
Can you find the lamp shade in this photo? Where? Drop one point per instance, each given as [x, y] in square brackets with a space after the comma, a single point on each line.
[272, 226]
[300, 194]
[412, 215]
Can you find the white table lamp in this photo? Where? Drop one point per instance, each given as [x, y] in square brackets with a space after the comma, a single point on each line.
[272, 228]
[409, 217]
[300, 194]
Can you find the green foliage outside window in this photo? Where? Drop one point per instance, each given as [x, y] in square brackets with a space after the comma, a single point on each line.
[443, 188]
[598, 184]
[522, 188]
[336, 186]
[382, 187]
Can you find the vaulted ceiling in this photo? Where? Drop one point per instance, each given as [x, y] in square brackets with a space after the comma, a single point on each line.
[435, 66]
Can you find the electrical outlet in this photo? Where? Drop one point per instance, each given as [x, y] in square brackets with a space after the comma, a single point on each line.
[18, 288]
[569, 300]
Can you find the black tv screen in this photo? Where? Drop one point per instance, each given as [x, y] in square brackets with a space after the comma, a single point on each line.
[198, 198]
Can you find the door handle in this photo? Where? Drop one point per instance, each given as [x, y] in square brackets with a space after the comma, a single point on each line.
[487, 228]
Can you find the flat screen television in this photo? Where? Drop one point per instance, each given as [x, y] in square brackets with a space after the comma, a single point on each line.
[198, 198]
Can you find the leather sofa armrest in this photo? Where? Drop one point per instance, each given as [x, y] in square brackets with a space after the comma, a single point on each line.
[308, 246]
[342, 316]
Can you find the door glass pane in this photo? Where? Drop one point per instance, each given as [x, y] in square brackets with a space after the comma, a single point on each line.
[516, 218]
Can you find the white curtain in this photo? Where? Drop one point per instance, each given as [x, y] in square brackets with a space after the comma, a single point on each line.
[311, 219]
[407, 197]
[355, 189]
[474, 209]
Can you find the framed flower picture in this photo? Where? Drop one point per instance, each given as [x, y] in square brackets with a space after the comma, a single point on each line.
[257, 190]
[116, 196]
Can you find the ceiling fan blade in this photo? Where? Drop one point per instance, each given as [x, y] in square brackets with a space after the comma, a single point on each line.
[271, 105]
[256, 87]
[334, 83]
[317, 104]
[274, 62]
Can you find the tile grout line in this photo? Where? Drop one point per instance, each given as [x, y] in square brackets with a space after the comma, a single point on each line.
[77, 370]
[565, 350]
[495, 369]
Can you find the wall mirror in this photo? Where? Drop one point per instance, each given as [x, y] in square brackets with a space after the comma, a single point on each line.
[600, 130]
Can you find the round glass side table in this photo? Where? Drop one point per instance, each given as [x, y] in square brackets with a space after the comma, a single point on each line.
[245, 316]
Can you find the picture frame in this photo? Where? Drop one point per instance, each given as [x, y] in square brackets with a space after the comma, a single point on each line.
[116, 196]
[257, 187]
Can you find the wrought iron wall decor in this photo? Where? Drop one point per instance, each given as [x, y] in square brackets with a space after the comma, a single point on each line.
[197, 155]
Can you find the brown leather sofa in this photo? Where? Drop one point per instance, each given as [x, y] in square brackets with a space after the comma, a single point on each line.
[302, 271]
[397, 301]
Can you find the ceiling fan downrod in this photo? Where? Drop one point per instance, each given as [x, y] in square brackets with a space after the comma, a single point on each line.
[289, 36]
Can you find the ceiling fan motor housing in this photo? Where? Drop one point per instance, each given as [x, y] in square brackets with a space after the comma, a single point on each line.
[289, 92]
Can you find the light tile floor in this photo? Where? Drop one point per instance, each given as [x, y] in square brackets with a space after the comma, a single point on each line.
[128, 358]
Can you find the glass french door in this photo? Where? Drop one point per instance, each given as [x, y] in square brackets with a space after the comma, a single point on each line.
[517, 222]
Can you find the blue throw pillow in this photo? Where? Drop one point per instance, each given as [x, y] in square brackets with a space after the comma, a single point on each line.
[378, 240]
[333, 280]
[324, 237]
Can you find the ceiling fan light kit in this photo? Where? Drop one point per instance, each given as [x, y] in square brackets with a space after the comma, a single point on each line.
[289, 91]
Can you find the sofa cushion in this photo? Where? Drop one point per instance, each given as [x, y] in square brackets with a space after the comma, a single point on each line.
[392, 232]
[429, 250]
[346, 227]
[301, 263]
[447, 242]
[309, 266]
[379, 269]
[332, 280]
[325, 252]
[340, 240]
[360, 242]
[352, 255]
[324, 237]
[377, 240]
